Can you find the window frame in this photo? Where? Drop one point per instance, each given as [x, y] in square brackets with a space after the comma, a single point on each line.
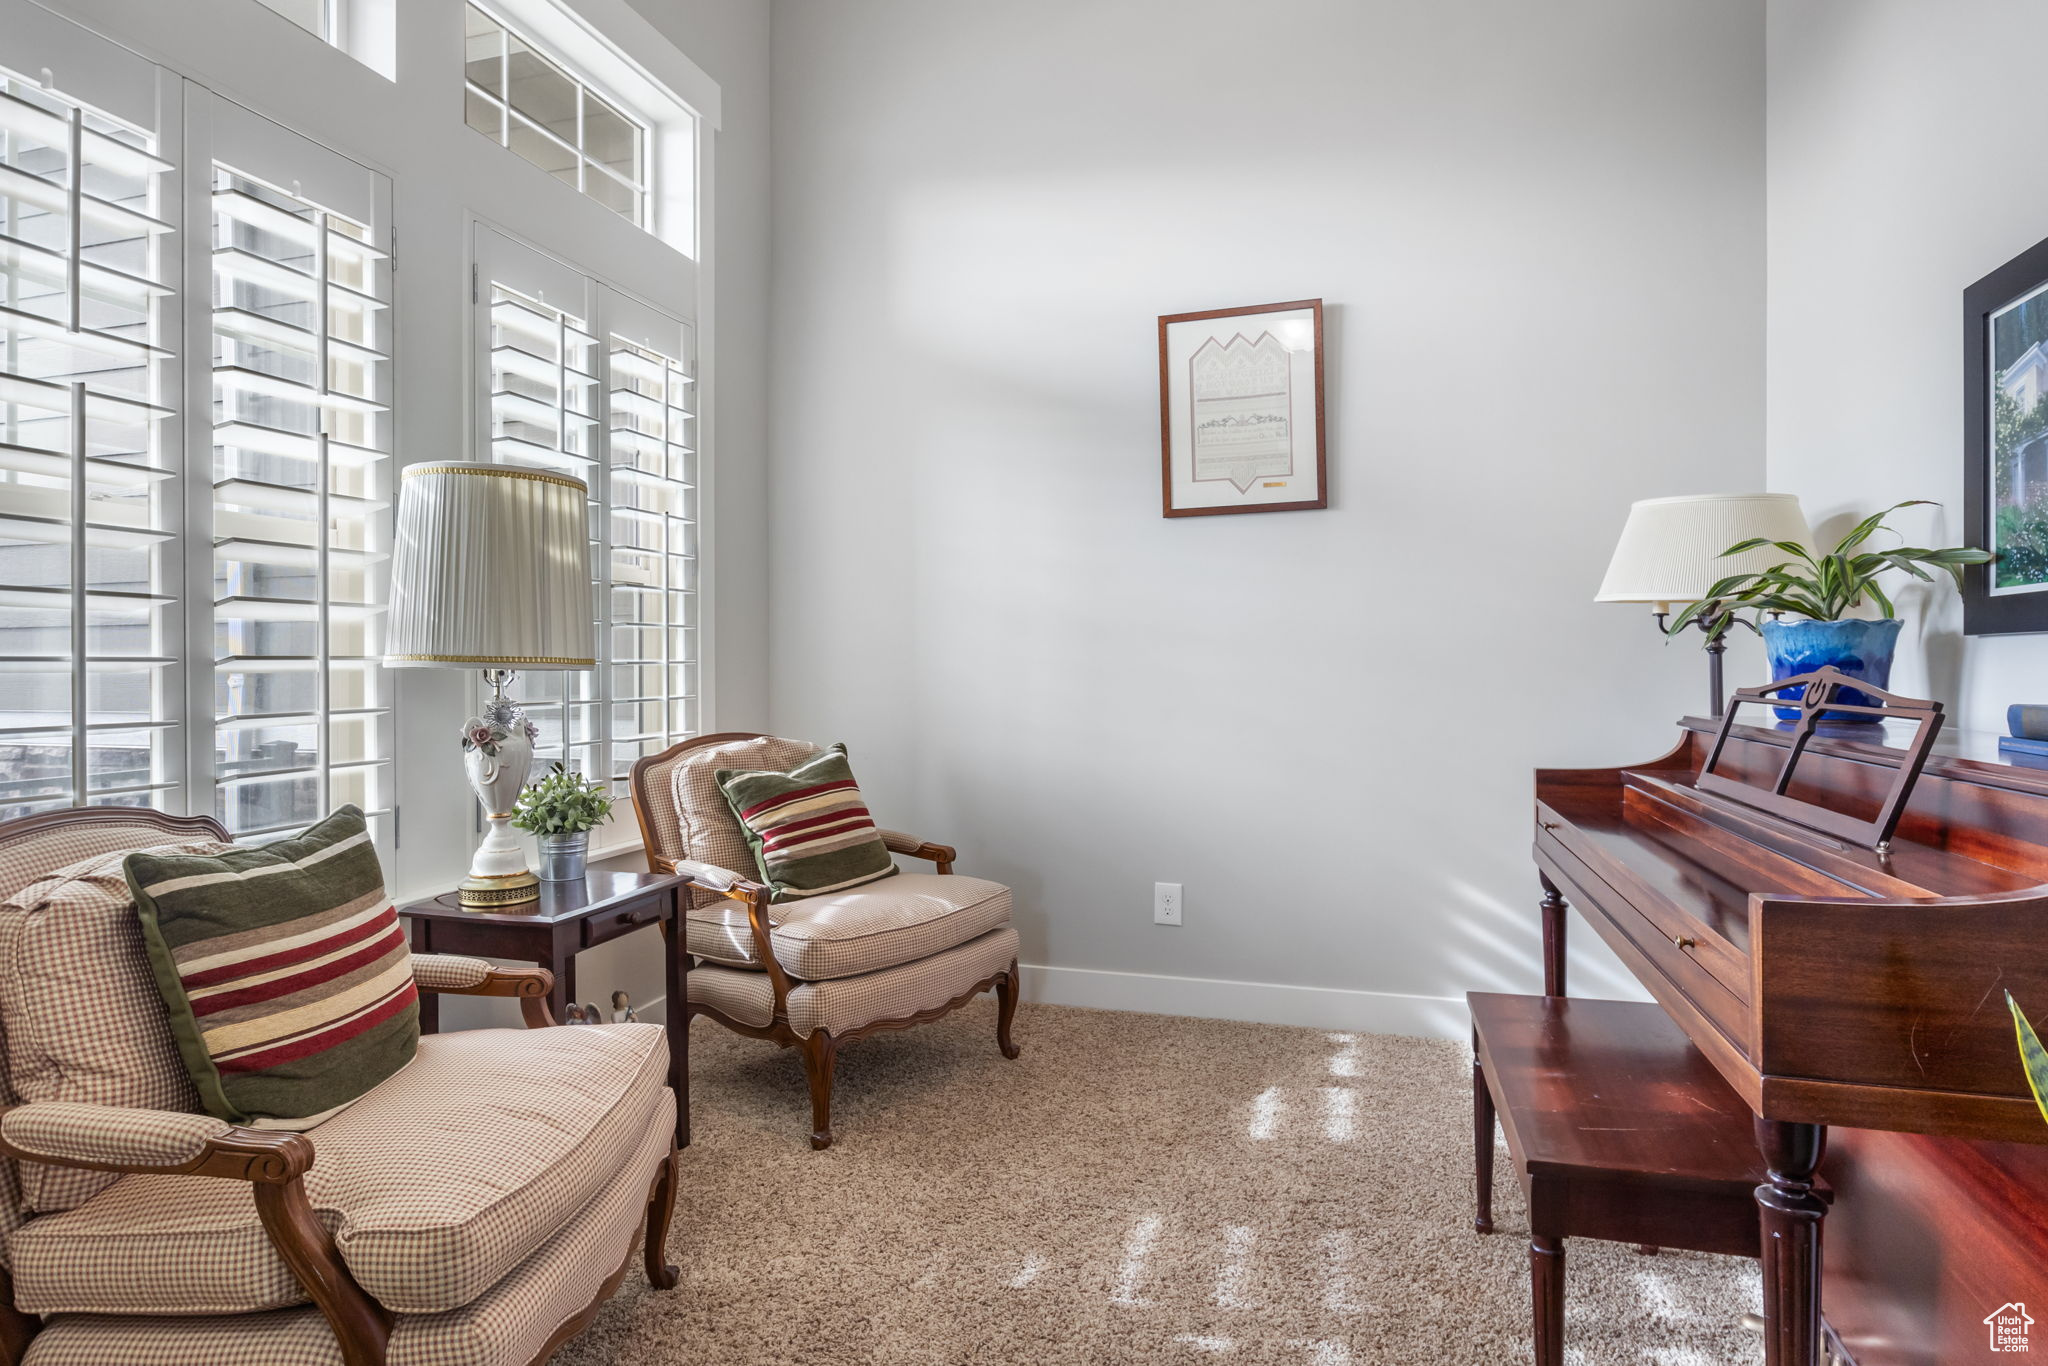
[407, 132]
[642, 187]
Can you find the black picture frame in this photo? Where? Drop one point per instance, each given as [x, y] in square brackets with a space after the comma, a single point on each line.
[1986, 614]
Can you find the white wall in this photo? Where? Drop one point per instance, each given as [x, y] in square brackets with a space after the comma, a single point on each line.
[1538, 233]
[1894, 183]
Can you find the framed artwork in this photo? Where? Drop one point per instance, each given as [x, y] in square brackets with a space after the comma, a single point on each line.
[1241, 409]
[2005, 446]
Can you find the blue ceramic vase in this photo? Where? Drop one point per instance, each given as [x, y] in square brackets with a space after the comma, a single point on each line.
[1860, 649]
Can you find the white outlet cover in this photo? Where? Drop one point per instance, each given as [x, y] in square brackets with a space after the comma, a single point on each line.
[1166, 903]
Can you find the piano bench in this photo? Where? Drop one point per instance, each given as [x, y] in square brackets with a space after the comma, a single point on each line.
[1618, 1127]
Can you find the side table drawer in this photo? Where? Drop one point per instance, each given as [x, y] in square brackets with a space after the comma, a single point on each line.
[609, 925]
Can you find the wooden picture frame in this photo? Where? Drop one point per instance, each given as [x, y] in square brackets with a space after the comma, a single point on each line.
[2006, 312]
[1268, 454]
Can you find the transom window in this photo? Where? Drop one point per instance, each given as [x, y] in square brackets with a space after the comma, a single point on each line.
[524, 100]
[321, 18]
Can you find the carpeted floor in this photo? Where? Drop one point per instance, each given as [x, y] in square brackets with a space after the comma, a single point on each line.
[1134, 1189]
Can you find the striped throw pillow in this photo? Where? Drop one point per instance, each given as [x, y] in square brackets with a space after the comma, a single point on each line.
[285, 969]
[809, 828]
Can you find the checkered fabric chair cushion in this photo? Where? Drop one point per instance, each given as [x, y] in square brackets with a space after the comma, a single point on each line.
[84, 1022]
[706, 829]
[863, 929]
[24, 859]
[847, 1003]
[507, 1325]
[436, 1184]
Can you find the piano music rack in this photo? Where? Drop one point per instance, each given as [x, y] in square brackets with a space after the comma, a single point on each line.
[1820, 697]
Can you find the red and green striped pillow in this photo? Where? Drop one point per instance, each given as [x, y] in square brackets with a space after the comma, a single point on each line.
[809, 828]
[285, 970]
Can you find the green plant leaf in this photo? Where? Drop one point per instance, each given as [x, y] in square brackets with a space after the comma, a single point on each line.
[1833, 585]
[1868, 527]
[2032, 1055]
[1905, 563]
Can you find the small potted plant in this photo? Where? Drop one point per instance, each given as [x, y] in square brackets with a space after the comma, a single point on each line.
[560, 811]
[1826, 594]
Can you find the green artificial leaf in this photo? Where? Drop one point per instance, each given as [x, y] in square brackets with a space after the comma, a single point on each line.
[2032, 1055]
[1823, 587]
[1870, 525]
[561, 803]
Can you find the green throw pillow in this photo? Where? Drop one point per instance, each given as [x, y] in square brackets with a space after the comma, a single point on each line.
[285, 970]
[809, 828]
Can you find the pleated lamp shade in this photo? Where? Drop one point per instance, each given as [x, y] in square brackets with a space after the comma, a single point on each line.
[1670, 549]
[491, 569]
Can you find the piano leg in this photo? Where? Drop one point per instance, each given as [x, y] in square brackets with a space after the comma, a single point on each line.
[1483, 1122]
[1554, 909]
[1791, 1215]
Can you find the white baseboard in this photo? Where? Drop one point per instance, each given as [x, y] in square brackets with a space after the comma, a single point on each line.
[1209, 998]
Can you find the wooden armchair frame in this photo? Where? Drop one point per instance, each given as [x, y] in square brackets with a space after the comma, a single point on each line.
[820, 1051]
[275, 1163]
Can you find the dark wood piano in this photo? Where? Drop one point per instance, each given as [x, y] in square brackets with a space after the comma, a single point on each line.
[1831, 980]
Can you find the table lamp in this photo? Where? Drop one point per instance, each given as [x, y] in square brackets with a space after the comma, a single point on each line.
[491, 570]
[1670, 555]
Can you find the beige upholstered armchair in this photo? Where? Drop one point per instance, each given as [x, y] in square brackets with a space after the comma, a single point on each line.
[816, 973]
[474, 1209]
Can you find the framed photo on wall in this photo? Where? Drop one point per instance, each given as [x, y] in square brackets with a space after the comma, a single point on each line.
[2005, 446]
[1241, 409]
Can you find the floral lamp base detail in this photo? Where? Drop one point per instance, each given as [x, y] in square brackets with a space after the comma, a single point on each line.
[497, 753]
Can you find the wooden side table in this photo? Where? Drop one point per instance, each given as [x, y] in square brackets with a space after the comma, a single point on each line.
[570, 917]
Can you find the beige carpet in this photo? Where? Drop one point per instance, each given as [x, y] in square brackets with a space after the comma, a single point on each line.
[1134, 1189]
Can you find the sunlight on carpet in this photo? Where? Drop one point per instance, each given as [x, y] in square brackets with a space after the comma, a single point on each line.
[1134, 1189]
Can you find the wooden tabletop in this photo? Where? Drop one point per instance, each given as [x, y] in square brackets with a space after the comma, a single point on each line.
[559, 901]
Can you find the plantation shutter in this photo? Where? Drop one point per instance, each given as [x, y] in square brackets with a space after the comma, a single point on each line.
[91, 632]
[302, 476]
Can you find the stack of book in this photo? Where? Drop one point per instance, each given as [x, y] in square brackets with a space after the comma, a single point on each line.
[2028, 724]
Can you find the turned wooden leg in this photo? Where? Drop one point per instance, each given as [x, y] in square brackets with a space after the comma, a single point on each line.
[820, 1052]
[1009, 990]
[1546, 1290]
[1553, 937]
[661, 1210]
[1482, 1143]
[1791, 1215]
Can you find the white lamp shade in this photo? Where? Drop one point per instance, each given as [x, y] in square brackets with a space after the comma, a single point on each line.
[491, 569]
[1670, 549]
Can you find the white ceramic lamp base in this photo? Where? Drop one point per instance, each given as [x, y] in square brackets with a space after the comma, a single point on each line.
[497, 753]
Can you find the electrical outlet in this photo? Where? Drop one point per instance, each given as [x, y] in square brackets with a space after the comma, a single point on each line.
[1166, 903]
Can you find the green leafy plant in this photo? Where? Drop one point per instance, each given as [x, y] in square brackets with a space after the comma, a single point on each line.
[561, 803]
[2032, 1054]
[1824, 587]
